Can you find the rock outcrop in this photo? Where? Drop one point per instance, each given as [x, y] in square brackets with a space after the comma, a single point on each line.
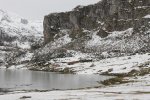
[107, 15]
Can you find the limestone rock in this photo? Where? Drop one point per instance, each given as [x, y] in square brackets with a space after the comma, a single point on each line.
[111, 15]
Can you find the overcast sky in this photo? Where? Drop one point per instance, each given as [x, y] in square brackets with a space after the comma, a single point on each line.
[36, 9]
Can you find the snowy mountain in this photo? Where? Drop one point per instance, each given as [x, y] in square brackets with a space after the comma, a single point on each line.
[17, 34]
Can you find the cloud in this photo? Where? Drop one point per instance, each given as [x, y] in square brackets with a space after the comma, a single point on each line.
[36, 9]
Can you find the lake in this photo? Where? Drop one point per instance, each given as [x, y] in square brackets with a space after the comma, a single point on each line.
[31, 80]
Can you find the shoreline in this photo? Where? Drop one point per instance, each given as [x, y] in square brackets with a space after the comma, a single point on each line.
[135, 83]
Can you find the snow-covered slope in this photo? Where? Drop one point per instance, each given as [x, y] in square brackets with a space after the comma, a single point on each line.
[17, 34]
[14, 26]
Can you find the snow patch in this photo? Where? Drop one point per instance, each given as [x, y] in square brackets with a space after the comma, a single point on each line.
[96, 40]
[147, 16]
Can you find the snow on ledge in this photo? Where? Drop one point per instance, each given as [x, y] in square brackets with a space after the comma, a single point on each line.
[147, 16]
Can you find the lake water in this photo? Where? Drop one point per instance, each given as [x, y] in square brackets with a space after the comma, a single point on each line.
[30, 80]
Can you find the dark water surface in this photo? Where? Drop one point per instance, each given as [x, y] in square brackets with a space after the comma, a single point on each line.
[30, 80]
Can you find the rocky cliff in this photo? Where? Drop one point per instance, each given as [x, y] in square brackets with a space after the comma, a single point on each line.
[106, 15]
[110, 28]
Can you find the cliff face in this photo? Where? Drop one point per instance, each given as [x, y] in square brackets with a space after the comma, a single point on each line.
[106, 15]
[110, 28]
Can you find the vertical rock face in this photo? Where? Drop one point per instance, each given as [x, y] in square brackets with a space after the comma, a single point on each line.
[107, 15]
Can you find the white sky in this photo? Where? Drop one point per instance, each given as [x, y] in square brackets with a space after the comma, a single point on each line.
[36, 9]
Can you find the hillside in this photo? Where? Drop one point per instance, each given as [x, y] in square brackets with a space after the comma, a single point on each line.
[107, 29]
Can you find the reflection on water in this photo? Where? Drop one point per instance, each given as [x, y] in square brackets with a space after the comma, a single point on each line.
[25, 79]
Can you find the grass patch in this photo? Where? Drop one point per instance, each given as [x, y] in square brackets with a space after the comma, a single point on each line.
[116, 80]
[25, 97]
[142, 92]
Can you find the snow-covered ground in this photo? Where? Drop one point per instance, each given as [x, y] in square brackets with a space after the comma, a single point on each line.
[114, 65]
